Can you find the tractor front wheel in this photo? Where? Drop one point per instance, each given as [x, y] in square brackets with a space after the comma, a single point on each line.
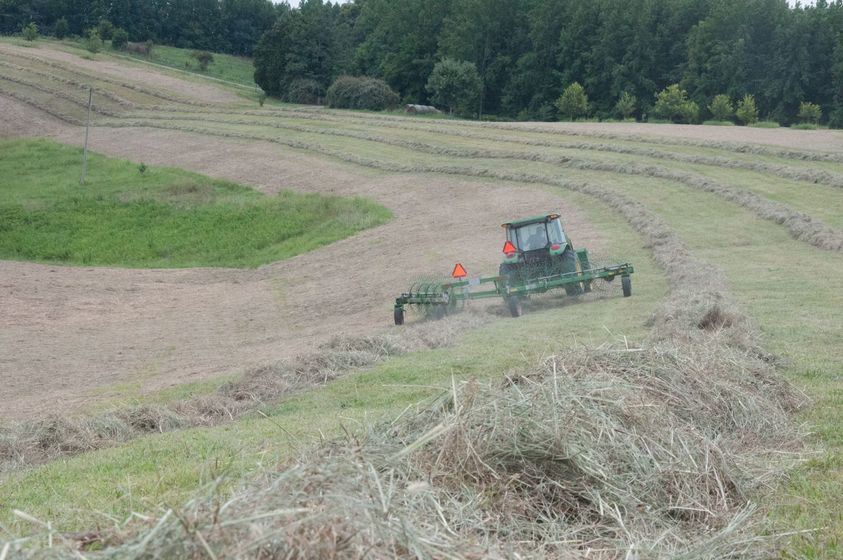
[398, 315]
[514, 305]
[626, 285]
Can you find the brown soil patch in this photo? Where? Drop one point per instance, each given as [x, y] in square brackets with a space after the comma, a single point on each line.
[76, 335]
[130, 73]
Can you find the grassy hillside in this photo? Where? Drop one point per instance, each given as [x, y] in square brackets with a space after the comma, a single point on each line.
[762, 223]
[236, 69]
[133, 215]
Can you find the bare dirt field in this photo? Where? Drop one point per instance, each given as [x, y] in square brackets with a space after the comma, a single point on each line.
[77, 335]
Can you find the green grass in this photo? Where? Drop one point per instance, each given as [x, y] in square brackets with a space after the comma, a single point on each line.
[718, 123]
[805, 126]
[226, 67]
[159, 218]
[166, 469]
[765, 124]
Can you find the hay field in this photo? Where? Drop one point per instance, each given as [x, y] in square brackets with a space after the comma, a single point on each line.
[736, 239]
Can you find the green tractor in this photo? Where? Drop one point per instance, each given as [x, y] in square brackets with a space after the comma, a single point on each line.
[538, 257]
[536, 248]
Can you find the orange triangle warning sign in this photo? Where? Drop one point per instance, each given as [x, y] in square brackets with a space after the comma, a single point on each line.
[508, 247]
[459, 271]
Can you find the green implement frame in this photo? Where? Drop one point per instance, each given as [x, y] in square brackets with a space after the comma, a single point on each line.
[442, 296]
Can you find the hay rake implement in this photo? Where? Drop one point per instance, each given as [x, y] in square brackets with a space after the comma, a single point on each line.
[538, 257]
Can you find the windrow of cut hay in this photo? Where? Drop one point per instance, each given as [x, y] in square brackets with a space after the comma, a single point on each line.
[559, 129]
[800, 225]
[608, 453]
[76, 84]
[809, 175]
[47, 108]
[38, 441]
[81, 75]
[79, 100]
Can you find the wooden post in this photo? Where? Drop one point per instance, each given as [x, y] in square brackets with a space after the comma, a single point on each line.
[87, 128]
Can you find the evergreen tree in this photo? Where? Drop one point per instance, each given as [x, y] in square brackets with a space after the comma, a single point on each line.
[747, 112]
[626, 104]
[61, 29]
[810, 112]
[30, 31]
[721, 108]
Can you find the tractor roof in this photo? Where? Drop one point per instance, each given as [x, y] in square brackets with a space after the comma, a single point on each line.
[531, 220]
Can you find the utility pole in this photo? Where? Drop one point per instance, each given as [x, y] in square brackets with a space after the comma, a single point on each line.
[87, 128]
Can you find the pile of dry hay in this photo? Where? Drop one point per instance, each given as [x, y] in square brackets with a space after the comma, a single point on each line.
[38, 441]
[612, 453]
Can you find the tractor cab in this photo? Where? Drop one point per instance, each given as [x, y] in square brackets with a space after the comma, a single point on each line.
[537, 247]
[536, 237]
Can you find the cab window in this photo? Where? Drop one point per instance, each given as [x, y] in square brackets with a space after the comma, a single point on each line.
[554, 229]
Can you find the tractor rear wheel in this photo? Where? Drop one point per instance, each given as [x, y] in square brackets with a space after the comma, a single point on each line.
[626, 285]
[398, 315]
[507, 271]
[569, 264]
[514, 305]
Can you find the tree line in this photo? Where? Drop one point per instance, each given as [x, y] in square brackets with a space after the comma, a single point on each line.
[229, 26]
[525, 53]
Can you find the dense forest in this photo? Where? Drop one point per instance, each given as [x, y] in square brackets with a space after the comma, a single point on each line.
[526, 52]
[229, 26]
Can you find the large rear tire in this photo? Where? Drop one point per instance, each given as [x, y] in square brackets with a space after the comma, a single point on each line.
[507, 271]
[569, 264]
[398, 315]
[514, 305]
[626, 285]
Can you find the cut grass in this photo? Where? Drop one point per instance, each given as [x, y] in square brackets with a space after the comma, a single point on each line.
[787, 286]
[167, 468]
[158, 218]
